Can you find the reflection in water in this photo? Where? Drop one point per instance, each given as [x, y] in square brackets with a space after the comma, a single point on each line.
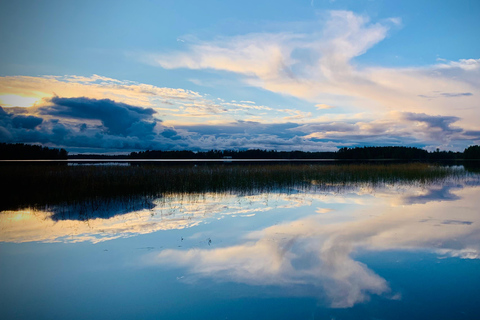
[64, 224]
[435, 193]
[312, 253]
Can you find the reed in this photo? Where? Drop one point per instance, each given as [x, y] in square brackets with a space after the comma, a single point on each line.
[37, 186]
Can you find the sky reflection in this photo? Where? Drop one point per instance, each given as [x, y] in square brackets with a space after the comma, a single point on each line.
[317, 252]
[308, 245]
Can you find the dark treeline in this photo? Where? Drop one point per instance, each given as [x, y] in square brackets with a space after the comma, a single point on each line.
[20, 151]
[234, 154]
[402, 153]
[30, 152]
[357, 153]
[472, 152]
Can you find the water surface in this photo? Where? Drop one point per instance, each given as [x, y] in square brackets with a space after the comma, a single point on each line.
[356, 250]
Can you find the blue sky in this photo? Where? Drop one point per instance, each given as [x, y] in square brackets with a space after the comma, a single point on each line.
[285, 75]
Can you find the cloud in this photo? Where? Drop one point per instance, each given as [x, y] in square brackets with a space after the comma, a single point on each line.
[27, 122]
[319, 64]
[456, 94]
[459, 222]
[117, 118]
[88, 124]
[437, 127]
[323, 106]
[10, 123]
[83, 123]
[18, 88]
[166, 118]
[446, 95]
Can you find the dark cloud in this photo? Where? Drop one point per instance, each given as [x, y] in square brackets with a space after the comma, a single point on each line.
[473, 133]
[102, 125]
[11, 122]
[27, 122]
[170, 134]
[90, 125]
[18, 121]
[118, 118]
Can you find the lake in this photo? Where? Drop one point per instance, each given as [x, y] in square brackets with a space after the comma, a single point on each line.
[394, 246]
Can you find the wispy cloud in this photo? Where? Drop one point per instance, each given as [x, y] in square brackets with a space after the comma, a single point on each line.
[320, 66]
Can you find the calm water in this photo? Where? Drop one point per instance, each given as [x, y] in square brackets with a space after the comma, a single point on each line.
[354, 251]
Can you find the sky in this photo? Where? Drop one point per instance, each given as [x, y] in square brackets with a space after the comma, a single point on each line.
[311, 75]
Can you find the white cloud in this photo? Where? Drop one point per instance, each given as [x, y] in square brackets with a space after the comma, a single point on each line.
[318, 64]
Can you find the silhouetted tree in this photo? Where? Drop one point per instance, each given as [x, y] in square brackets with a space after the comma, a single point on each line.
[20, 151]
[472, 152]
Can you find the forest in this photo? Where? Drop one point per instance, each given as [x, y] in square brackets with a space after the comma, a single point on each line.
[20, 151]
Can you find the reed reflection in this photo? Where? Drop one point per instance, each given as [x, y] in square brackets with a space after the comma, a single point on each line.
[48, 185]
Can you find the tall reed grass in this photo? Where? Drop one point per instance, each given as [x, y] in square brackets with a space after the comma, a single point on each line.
[34, 185]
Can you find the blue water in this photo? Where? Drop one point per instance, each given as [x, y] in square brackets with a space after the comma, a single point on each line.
[386, 252]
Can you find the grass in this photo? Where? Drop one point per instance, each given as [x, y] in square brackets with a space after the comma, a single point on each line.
[41, 185]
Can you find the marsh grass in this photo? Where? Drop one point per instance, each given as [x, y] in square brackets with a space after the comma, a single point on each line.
[88, 187]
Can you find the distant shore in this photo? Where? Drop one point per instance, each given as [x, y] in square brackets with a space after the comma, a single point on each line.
[34, 152]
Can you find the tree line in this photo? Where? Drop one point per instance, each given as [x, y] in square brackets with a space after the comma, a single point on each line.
[20, 151]
[234, 154]
[356, 153]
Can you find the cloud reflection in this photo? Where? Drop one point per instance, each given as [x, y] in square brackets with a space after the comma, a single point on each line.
[315, 254]
[111, 221]
[310, 251]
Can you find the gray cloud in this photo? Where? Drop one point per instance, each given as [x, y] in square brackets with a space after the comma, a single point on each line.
[442, 122]
[118, 118]
[456, 94]
[27, 122]
[83, 124]
[473, 133]
[457, 222]
[10, 123]
[101, 125]
[446, 95]
[439, 128]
